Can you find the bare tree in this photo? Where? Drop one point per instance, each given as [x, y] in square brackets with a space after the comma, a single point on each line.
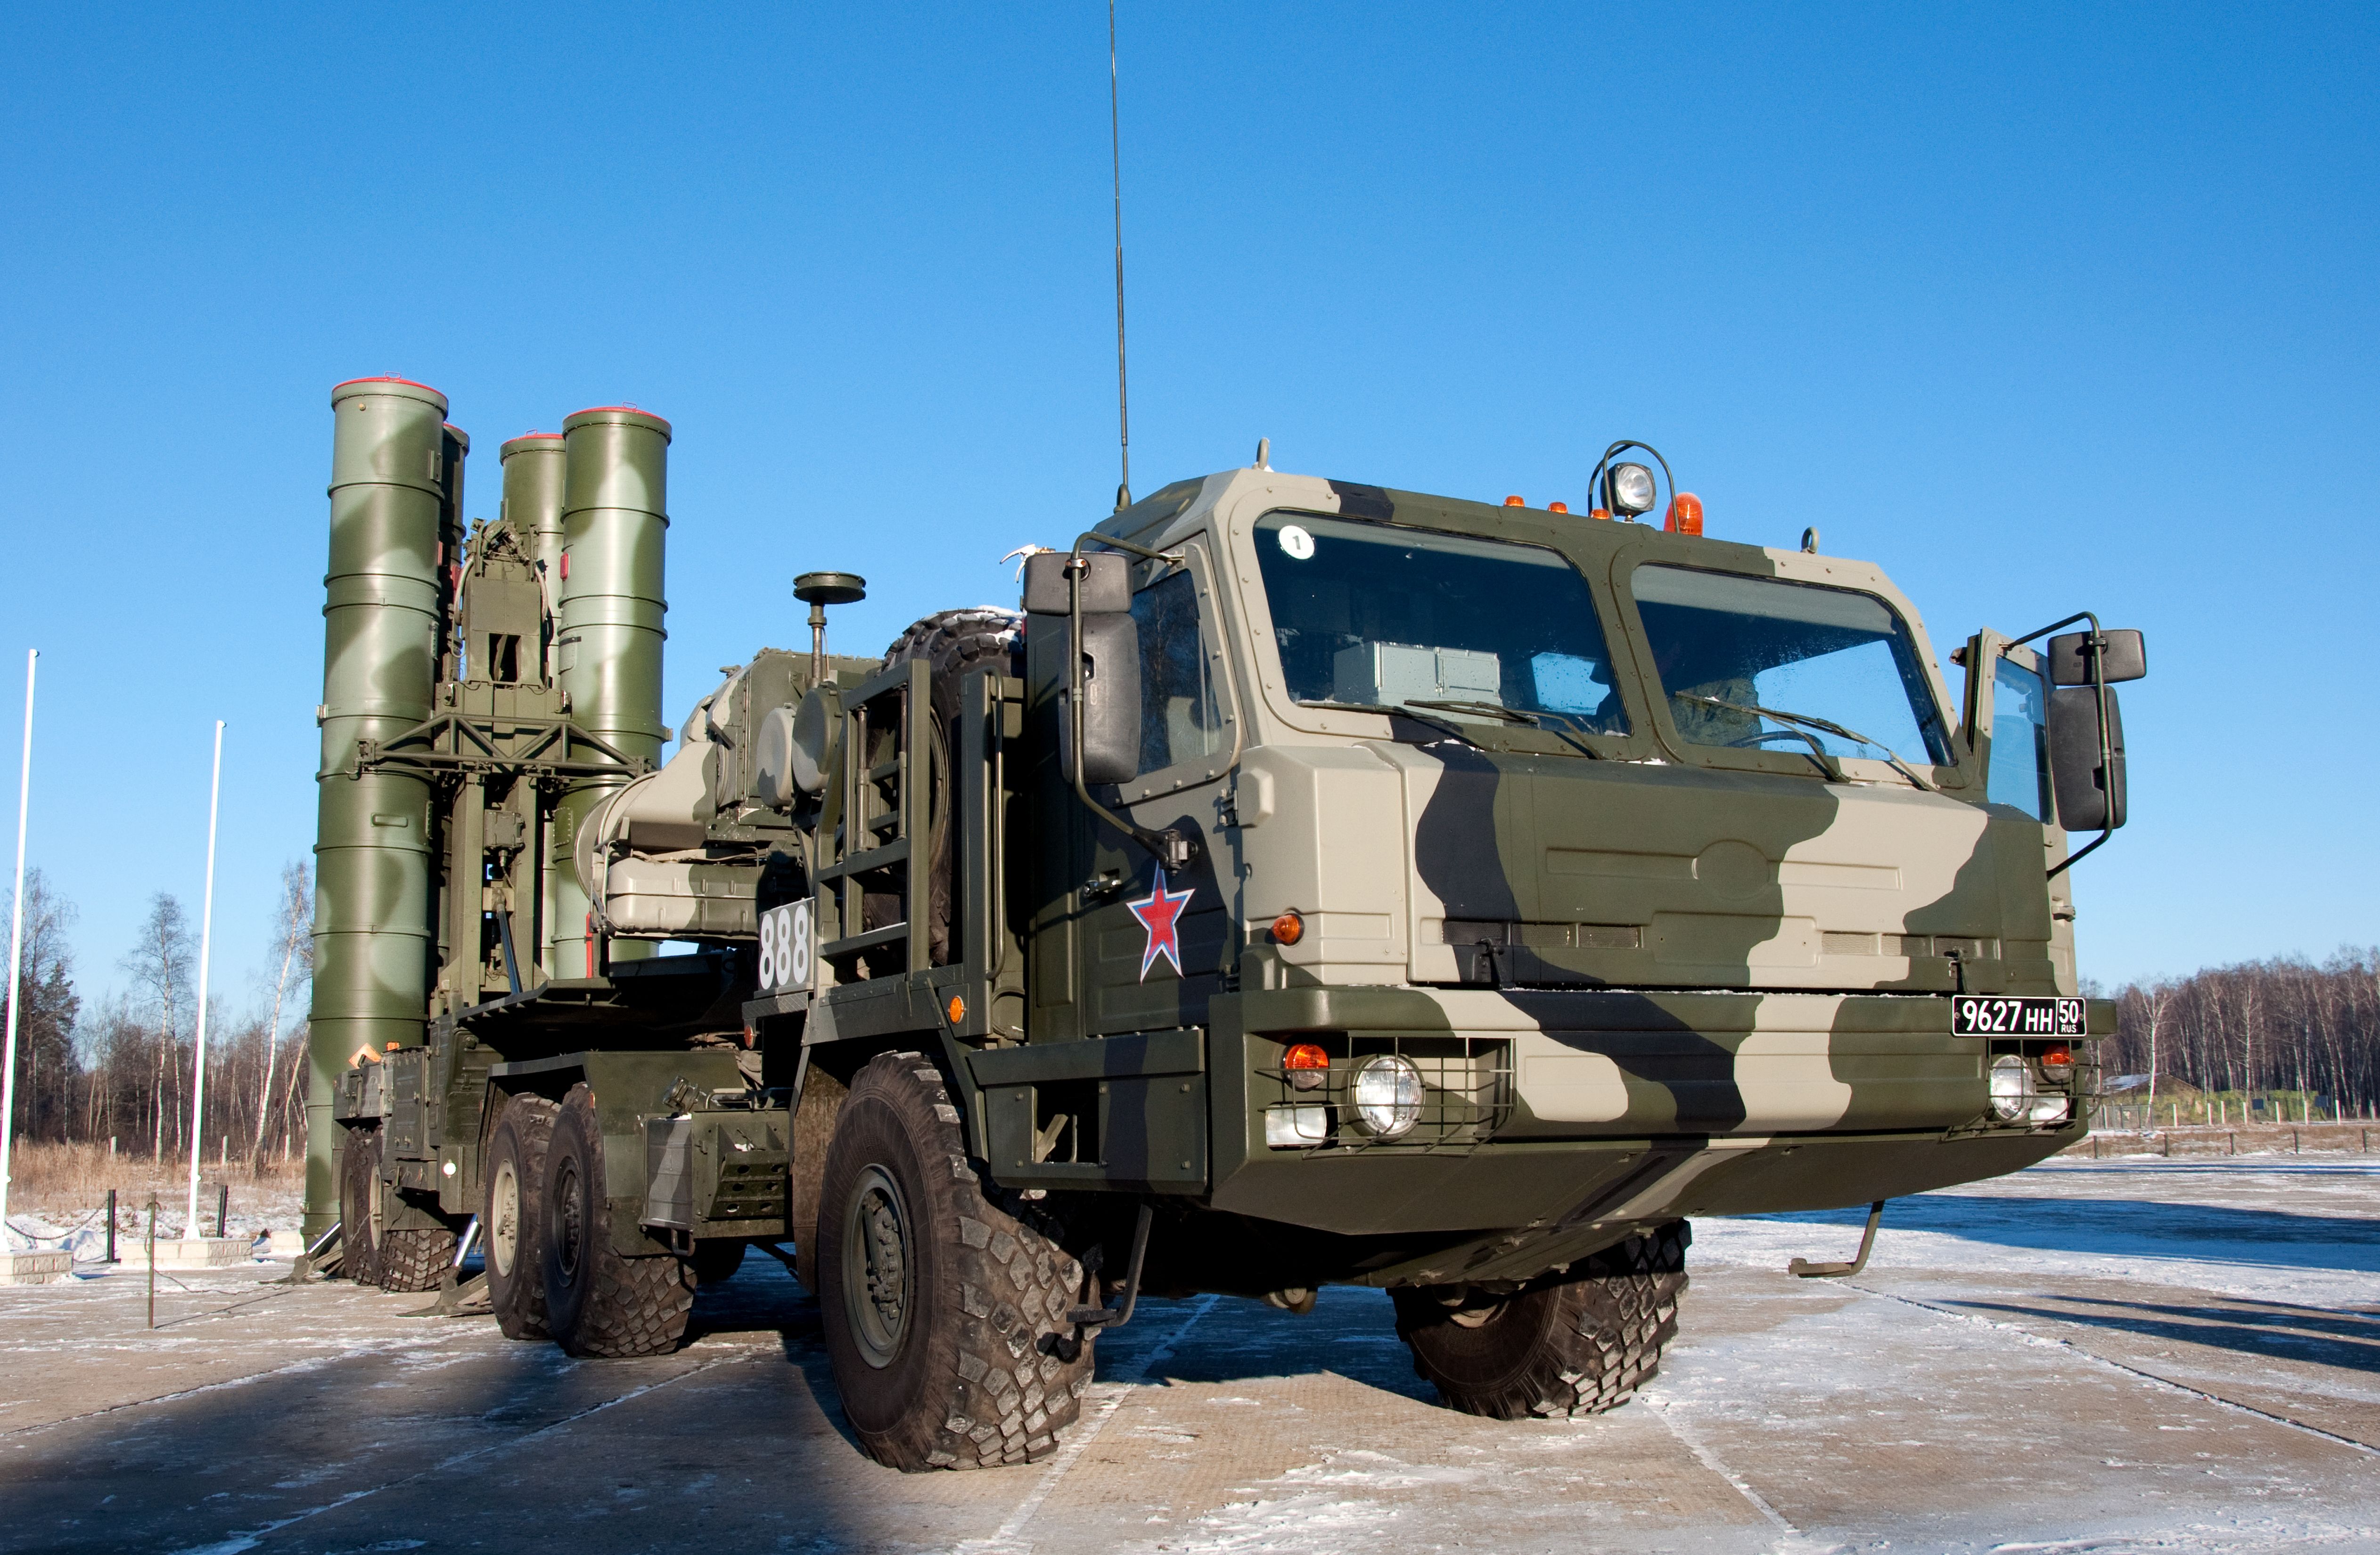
[2262, 1027]
[292, 950]
[160, 967]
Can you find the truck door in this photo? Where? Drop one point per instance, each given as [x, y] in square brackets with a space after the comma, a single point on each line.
[2007, 725]
[1123, 945]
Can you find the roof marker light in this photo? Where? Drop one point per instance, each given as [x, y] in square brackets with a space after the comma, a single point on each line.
[1514, 502]
[1557, 507]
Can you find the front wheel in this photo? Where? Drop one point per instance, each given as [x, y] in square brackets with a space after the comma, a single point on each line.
[597, 1301]
[1578, 1342]
[944, 1314]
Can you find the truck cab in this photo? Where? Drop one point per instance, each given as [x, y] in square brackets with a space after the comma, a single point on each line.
[1498, 795]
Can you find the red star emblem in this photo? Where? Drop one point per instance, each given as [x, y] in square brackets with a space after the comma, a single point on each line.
[1160, 913]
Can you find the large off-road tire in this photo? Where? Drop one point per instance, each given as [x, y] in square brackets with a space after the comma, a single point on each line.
[1573, 1343]
[512, 1216]
[953, 641]
[716, 1261]
[596, 1302]
[945, 1312]
[359, 1207]
[416, 1259]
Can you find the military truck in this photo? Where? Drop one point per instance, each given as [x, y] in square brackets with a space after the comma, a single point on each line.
[1310, 883]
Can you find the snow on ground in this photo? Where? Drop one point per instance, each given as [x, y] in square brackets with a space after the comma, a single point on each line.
[2294, 1229]
[2124, 1357]
[85, 1235]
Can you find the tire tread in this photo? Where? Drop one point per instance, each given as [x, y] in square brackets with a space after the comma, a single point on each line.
[1605, 1336]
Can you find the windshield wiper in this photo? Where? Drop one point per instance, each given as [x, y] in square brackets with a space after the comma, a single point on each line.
[1511, 715]
[1493, 710]
[1795, 721]
[1445, 726]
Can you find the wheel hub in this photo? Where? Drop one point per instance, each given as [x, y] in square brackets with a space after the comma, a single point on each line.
[504, 1234]
[876, 1266]
[569, 1219]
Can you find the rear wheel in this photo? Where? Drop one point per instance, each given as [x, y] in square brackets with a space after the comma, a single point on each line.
[1573, 1344]
[944, 1313]
[416, 1259]
[359, 1210]
[512, 1216]
[598, 1301]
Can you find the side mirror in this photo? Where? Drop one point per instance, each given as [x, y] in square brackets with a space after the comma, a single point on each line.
[2090, 796]
[1110, 701]
[1106, 583]
[2122, 656]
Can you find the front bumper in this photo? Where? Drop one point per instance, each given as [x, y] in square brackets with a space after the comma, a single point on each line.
[1589, 1107]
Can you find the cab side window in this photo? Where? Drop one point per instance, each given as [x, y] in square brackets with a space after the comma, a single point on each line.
[2020, 770]
[1180, 711]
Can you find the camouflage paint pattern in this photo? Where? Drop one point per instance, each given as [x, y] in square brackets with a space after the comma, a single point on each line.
[395, 474]
[608, 631]
[1662, 980]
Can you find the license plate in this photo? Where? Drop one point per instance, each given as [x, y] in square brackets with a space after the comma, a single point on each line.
[1984, 1015]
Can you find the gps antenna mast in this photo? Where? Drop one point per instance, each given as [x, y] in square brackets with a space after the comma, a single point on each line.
[1115, 148]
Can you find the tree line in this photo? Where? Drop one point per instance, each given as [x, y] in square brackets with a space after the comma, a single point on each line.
[122, 1071]
[2261, 1028]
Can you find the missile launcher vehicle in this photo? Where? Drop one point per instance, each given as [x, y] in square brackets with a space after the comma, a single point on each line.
[1309, 883]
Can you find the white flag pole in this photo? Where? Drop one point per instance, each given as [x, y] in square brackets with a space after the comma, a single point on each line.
[206, 938]
[16, 952]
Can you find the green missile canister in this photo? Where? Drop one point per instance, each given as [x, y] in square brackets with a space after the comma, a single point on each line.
[608, 633]
[395, 476]
[534, 466]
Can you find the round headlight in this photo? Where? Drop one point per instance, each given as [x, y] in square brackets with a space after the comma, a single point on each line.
[1387, 1092]
[2012, 1087]
[1631, 489]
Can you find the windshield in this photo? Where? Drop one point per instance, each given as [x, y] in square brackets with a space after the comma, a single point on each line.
[1370, 615]
[1736, 653]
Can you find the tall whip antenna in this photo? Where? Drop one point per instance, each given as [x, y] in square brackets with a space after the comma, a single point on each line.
[1115, 147]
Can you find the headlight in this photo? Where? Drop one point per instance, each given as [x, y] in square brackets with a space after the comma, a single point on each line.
[1631, 489]
[2012, 1087]
[1297, 1127]
[1387, 1095]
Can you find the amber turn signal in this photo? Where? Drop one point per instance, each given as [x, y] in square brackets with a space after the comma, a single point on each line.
[1288, 929]
[1307, 1065]
[956, 1008]
[2058, 1063]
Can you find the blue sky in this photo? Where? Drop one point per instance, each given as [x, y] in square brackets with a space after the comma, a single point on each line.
[2041, 309]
